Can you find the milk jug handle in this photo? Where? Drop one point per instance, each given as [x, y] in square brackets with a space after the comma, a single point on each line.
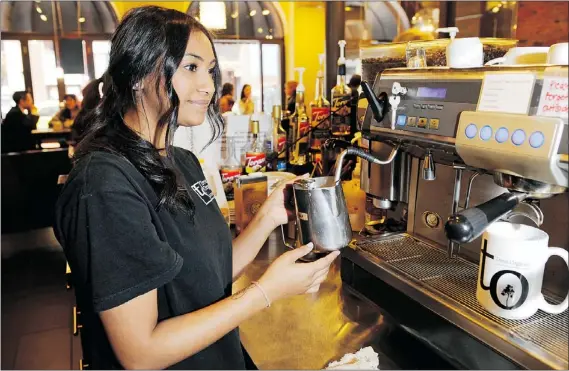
[284, 238]
[561, 307]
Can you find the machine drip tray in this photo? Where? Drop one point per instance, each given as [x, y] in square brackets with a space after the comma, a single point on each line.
[452, 283]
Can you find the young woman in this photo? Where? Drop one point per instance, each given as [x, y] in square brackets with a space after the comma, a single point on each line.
[246, 105]
[150, 252]
[226, 101]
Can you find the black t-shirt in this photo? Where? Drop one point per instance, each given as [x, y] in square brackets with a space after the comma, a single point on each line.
[119, 247]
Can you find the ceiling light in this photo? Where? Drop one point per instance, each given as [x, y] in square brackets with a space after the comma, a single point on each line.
[43, 17]
[348, 8]
[495, 9]
[38, 9]
[260, 30]
[235, 15]
[81, 19]
[266, 12]
[212, 15]
[252, 12]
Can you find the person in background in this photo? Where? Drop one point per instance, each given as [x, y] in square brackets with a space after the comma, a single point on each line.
[91, 99]
[66, 116]
[152, 257]
[246, 105]
[290, 103]
[226, 101]
[19, 122]
[290, 96]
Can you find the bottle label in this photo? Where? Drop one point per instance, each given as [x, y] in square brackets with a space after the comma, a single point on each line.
[255, 161]
[341, 105]
[303, 127]
[321, 117]
[281, 143]
[228, 176]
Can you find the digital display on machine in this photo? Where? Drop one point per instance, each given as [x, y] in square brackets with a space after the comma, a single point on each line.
[424, 92]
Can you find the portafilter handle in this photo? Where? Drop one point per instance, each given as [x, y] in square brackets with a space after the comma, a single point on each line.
[469, 224]
[379, 104]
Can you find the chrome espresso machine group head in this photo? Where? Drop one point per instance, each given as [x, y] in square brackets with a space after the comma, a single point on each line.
[465, 158]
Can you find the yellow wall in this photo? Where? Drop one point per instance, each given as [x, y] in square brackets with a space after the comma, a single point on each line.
[301, 45]
[123, 6]
[305, 39]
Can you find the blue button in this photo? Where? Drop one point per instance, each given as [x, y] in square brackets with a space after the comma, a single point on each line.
[502, 135]
[518, 137]
[537, 139]
[486, 133]
[401, 120]
[471, 131]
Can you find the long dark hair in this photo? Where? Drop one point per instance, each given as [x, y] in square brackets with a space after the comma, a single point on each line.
[150, 42]
[227, 89]
[243, 91]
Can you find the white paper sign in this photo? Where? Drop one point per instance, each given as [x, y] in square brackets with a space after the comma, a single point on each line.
[554, 94]
[507, 93]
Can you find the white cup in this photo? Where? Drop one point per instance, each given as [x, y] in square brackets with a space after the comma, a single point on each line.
[558, 54]
[522, 55]
[510, 275]
[465, 53]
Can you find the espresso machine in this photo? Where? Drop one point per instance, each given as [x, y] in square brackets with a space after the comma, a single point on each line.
[460, 149]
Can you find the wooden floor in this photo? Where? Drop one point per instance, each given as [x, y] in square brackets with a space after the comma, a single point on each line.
[37, 309]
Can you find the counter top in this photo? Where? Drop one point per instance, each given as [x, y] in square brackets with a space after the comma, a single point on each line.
[309, 331]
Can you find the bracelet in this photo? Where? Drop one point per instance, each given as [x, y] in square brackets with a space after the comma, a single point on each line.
[264, 293]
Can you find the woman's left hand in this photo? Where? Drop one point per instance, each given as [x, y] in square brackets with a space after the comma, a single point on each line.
[279, 207]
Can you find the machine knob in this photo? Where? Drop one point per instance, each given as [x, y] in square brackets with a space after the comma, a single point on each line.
[486, 133]
[502, 135]
[518, 137]
[471, 131]
[537, 139]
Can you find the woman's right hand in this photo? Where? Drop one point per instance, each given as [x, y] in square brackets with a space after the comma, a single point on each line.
[285, 277]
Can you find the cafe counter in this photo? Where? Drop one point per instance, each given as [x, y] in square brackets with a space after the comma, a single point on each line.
[309, 331]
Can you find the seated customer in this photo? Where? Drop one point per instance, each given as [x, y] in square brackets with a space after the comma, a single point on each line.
[67, 115]
[18, 125]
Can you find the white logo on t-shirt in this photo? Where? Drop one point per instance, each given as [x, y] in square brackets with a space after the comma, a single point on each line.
[202, 189]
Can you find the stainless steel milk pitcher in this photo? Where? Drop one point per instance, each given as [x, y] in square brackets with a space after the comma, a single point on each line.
[321, 212]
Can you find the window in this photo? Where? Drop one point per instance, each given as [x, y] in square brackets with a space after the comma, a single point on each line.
[101, 50]
[240, 63]
[272, 84]
[12, 73]
[44, 76]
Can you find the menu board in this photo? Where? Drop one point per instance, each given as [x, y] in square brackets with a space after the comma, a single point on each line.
[554, 97]
[506, 92]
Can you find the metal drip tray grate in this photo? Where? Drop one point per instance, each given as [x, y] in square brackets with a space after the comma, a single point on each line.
[456, 279]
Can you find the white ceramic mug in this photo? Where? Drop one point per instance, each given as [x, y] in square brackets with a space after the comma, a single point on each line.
[522, 55]
[558, 54]
[510, 275]
[467, 52]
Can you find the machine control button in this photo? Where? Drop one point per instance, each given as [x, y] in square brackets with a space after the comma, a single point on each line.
[422, 122]
[502, 135]
[434, 124]
[431, 106]
[486, 133]
[415, 105]
[536, 139]
[439, 107]
[401, 120]
[471, 131]
[412, 121]
[518, 137]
